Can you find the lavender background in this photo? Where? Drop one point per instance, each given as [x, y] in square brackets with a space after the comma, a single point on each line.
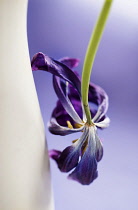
[62, 28]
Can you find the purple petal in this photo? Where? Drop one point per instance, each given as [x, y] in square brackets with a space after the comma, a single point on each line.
[45, 63]
[57, 129]
[70, 62]
[71, 104]
[99, 97]
[68, 159]
[65, 100]
[99, 149]
[86, 171]
[70, 156]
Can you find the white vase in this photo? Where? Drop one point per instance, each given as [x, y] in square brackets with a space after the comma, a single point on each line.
[24, 164]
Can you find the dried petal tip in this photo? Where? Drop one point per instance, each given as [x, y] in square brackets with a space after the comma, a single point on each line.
[38, 62]
[54, 154]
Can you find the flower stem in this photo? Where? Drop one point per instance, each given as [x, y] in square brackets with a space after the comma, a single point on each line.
[90, 55]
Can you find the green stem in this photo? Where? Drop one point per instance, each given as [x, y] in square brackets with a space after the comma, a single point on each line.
[90, 55]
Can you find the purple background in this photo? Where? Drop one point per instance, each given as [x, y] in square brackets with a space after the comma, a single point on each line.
[62, 28]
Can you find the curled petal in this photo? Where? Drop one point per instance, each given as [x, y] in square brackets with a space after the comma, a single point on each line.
[103, 124]
[65, 100]
[57, 129]
[68, 108]
[45, 63]
[99, 149]
[98, 96]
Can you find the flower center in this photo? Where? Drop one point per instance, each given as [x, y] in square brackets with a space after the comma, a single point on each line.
[76, 125]
[89, 125]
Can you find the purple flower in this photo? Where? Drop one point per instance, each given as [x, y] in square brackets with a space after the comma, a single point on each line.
[68, 117]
